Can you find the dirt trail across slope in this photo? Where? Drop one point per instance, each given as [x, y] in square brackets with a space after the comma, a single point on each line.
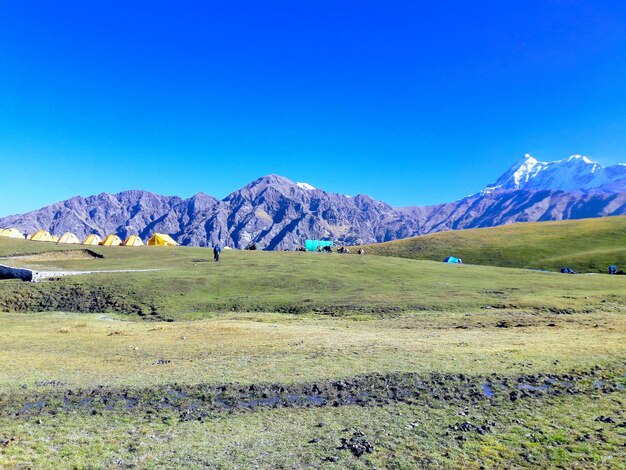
[42, 275]
[64, 255]
[32, 275]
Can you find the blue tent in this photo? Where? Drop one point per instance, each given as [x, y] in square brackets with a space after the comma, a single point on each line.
[452, 259]
[311, 245]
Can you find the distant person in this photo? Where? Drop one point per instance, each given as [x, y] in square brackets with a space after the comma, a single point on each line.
[319, 249]
[217, 249]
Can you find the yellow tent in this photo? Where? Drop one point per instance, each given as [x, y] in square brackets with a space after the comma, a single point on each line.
[68, 237]
[111, 240]
[134, 240]
[11, 233]
[92, 239]
[160, 239]
[42, 236]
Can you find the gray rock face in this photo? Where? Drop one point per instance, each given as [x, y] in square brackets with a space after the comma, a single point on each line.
[277, 214]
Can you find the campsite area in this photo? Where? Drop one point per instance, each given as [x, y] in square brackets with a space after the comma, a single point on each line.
[290, 359]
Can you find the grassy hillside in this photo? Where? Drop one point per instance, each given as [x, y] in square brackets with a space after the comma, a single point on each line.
[293, 360]
[187, 284]
[588, 245]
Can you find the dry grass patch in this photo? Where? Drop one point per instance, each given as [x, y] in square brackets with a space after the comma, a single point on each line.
[289, 348]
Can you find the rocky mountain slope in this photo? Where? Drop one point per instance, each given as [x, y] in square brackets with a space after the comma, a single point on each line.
[277, 213]
[506, 207]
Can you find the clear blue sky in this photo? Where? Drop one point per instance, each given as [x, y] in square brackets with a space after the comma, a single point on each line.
[411, 102]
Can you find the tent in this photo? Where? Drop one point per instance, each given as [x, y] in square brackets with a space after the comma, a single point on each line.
[452, 259]
[68, 237]
[111, 240]
[92, 239]
[134, 240]
[11, 233]
[160, 239]
[42, 236]
[312, 245]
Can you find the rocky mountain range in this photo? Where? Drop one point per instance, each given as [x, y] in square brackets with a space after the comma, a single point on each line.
[276, 213]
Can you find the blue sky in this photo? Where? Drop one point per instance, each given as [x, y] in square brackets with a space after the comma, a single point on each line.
[409, 102]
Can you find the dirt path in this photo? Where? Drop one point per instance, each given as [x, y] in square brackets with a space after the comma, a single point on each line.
[26, 274]
[42, 275]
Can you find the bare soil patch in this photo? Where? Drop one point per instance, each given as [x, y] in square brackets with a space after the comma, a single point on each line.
[62, 255]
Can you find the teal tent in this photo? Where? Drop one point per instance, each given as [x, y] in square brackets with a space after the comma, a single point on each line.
[452, 259]
[311, 245]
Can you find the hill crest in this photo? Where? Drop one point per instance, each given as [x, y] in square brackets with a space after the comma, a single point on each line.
[587, 245]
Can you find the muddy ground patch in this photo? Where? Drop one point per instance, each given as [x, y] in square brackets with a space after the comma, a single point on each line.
[196, 402]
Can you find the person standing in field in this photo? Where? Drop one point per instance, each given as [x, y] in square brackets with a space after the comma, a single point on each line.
[216, 252]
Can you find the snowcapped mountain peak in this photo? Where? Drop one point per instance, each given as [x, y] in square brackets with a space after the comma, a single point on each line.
[581, 158]
[525, 171]
[575, 173]
[305, 186]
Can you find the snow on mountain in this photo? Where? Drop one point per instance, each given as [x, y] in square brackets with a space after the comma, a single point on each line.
[576, 173]
[305, 186]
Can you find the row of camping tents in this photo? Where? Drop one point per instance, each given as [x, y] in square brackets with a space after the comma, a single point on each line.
[158, 239]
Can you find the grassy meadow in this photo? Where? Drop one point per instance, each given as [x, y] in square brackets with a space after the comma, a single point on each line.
[305, 318]
[93, 350]
[184, 283]
[587, 245]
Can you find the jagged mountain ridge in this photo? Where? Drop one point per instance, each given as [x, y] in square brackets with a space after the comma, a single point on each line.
[271, 211]
[277, 213]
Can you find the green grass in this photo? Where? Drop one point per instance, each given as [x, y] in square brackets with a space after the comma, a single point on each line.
[588, 245]
[186, 286]
[290, 318]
